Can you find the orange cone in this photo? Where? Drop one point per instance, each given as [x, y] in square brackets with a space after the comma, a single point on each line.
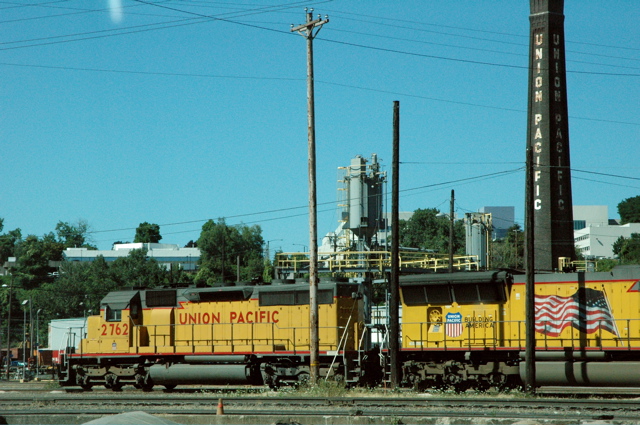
[220, 410]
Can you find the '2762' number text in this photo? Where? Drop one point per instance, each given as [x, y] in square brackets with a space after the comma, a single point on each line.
[115, 329]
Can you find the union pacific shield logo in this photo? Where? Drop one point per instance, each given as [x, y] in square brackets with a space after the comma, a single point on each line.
[453, 325]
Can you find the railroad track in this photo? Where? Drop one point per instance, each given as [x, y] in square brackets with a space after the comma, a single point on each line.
[60, 405]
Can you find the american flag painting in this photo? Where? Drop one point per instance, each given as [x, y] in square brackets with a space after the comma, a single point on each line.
[587, 310]
[453, 325]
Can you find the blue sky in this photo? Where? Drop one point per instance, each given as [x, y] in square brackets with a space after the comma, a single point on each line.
[178, 111]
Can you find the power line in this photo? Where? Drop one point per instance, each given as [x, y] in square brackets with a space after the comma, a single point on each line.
[473, 62]
[496, 174]
[157, 73]
[606, 174]
[206, 18]
[194, 75]
[498, 33]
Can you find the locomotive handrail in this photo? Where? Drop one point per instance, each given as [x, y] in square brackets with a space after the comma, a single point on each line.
[417, 336]
[289, 342]
[373, 260]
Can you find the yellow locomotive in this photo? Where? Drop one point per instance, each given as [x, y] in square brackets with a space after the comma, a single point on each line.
[468, 329]
[238, 335]
[461, 330]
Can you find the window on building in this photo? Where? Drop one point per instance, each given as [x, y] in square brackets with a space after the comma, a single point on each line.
[579, 224]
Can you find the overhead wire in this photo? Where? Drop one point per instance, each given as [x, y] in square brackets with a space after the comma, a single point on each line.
[390, 50]
[271, 9]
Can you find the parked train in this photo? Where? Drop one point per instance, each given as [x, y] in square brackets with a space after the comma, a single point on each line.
[461, 330]
[467, 330]
[238, 335]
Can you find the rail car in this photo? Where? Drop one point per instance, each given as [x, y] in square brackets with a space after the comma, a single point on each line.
[231, 335]
[458, 330]
[465, 330]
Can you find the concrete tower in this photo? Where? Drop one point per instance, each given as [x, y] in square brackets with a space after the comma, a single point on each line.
[548, 136]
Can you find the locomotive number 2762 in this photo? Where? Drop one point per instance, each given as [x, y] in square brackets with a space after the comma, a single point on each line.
[115, 329]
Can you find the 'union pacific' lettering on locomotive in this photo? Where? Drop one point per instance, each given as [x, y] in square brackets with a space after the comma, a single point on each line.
[234, 317]
[261, 316]
[479, 322]
[198, 318]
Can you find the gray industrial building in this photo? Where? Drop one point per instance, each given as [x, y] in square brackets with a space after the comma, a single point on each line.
[502, 219]
[168, 255]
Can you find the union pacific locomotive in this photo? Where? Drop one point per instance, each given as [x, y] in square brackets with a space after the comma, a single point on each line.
[465, 330]
[459, 330]
[238, 335]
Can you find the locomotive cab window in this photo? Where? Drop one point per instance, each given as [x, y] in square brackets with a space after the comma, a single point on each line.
[113, 315]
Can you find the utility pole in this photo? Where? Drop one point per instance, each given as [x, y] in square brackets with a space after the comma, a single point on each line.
[451, 231]
[309, 30]
[394, 290]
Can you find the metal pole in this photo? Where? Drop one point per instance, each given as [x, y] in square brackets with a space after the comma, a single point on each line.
[30, 330]
[38, 342]
[24, 338]
[394, 290]
[307, 30]
[9, 330]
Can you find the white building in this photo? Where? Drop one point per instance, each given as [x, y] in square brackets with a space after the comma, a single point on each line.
[167, 255]
[594, 236]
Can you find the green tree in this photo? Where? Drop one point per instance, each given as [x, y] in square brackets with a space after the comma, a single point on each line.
[147, 233]
[221, 246]
[8, 244]
[629, 210]
[606, 265]
[428, 229]
[81, 286]
[628, 249]
[509, 251]
[138, 270]
[34, 255]
[74, 235]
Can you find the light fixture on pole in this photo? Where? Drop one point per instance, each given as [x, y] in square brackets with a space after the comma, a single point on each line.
[268, 242]
[24, 339]
[302, 245]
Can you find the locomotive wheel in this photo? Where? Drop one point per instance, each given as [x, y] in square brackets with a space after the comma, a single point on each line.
[303, 379]
[498, 380]
[461, 387]
[84, 382]
[482, 385]
[143, 382]
[112, 382]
